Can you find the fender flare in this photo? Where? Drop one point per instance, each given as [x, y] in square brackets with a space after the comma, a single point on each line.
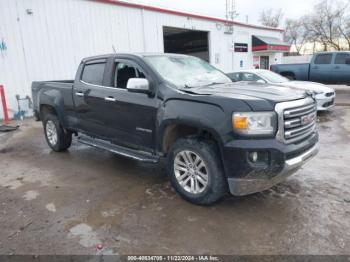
[188, 122]
[54, 99]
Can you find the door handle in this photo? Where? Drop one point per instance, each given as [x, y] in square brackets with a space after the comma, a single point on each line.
[79, 94]
[110, 99]
[315, 67]
[337, 67]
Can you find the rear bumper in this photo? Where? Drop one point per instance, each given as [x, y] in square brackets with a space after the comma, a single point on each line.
[241, 187]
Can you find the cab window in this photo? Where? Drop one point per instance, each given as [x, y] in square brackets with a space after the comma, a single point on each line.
[93, 73]
[124, 71]
[341, 59]
[323, 59]
[235, 77]
[250, 77]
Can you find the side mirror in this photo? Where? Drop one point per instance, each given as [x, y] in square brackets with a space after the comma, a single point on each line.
[261, 81]
[138, 85]
[347, 61]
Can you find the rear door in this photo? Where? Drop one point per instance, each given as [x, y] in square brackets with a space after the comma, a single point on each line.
[89, 96]
[321, 68]
[341, 70]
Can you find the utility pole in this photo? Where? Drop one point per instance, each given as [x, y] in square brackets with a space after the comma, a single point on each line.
[231, 15]
[231, 12]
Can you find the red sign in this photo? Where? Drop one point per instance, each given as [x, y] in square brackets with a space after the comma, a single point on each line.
[283, 48]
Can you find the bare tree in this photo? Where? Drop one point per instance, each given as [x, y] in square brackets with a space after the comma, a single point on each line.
[325, 24]
[271, 17]
[295, 34]
[344, 25]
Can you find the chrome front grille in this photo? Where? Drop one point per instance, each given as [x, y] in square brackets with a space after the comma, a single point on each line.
[296, 120]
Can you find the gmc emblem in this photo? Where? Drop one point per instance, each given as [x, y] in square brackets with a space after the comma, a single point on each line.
[308, 119]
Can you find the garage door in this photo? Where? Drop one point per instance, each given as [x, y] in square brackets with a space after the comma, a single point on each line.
[184, 41]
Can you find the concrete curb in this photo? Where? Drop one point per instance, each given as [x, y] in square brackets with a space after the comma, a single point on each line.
[341, 89]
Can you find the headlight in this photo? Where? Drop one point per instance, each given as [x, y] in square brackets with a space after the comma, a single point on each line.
[261, 123]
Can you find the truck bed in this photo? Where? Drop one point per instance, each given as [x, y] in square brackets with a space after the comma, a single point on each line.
[293, 71]
[63, 89]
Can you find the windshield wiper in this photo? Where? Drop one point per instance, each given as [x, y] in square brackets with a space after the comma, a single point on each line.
[188, 86]
[213, 84]
[188, 91]
[207, 85]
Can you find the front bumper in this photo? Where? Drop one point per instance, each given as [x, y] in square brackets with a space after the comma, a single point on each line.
[324, 102]
[241, 187]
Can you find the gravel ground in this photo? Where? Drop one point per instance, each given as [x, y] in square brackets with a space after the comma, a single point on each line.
[67, 203]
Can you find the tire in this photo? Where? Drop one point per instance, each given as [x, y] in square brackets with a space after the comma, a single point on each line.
[193, 149]
[56, 136]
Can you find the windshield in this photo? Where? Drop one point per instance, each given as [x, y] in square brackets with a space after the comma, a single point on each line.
[187, 71]
[272, 77]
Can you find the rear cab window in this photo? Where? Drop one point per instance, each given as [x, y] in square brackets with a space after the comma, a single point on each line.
[93, 73]
[323, 59]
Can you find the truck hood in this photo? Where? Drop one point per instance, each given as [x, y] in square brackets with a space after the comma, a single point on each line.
[310, 86]
[251, 91]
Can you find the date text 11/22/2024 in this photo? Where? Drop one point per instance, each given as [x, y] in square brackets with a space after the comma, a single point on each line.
[173, 258]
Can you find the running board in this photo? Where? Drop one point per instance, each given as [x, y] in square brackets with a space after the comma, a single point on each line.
[123, 151]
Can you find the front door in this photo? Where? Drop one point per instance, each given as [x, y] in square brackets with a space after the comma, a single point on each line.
[341, 70]
[321, 68]
[129, 118]
[264, 62]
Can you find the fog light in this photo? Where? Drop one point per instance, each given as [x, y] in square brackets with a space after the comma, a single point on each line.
[253, 156]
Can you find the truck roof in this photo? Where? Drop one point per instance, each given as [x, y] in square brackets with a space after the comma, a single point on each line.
[105, 56]
[331, 52]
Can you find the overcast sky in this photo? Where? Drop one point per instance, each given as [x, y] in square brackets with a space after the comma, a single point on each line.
[250, 8]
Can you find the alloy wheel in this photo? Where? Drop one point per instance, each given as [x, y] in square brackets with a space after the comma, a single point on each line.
[191, 172]
[51, 132]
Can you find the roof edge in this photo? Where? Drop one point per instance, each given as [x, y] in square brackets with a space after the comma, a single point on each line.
[181, 13]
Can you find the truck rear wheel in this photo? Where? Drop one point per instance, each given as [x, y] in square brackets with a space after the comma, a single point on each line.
[56, 136]
[196, 171]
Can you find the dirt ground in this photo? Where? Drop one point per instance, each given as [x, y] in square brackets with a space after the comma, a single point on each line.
[67, 203]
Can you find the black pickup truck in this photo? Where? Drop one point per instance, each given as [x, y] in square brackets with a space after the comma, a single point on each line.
[217, 136]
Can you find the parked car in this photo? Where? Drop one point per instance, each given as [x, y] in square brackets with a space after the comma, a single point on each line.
[214, 134]
[326, 68]
[325, 96]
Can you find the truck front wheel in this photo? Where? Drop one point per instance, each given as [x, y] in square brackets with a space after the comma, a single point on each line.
[56, 136]
[196, 171]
